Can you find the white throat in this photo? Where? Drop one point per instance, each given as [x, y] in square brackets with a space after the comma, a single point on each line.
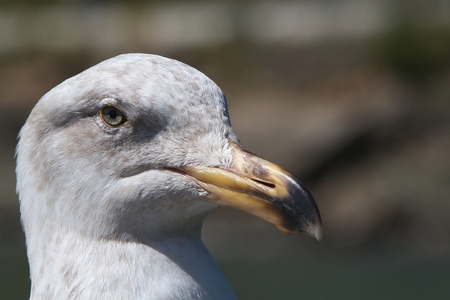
[72, 266]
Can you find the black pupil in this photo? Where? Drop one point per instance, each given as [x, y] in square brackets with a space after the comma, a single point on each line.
[112, 114]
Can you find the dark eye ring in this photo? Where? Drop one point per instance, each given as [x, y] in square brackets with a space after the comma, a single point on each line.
[112, 116]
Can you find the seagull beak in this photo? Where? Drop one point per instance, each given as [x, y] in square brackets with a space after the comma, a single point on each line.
[263, 189]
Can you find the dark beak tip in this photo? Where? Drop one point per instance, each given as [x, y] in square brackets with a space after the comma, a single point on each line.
[302, 217]
[314, 227]
[307, 219]
[313, 230]
[316, 231]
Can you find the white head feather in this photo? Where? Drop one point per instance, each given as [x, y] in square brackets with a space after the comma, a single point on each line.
[115, 212]
[83, 192]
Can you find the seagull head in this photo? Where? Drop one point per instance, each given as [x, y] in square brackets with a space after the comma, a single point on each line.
[139, 147]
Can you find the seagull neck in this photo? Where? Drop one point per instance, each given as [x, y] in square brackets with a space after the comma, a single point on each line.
[69, 264]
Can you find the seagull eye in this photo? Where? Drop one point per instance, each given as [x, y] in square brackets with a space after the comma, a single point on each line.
[112, 116]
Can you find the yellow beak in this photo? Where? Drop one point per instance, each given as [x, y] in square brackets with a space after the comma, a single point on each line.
[263, 189]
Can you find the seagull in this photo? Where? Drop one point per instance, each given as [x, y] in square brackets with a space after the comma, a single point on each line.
[117, 168]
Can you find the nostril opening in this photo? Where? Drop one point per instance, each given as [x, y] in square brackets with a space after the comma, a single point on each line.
[268, 184]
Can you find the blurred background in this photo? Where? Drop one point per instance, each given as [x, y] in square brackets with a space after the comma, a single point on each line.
[351, 96]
